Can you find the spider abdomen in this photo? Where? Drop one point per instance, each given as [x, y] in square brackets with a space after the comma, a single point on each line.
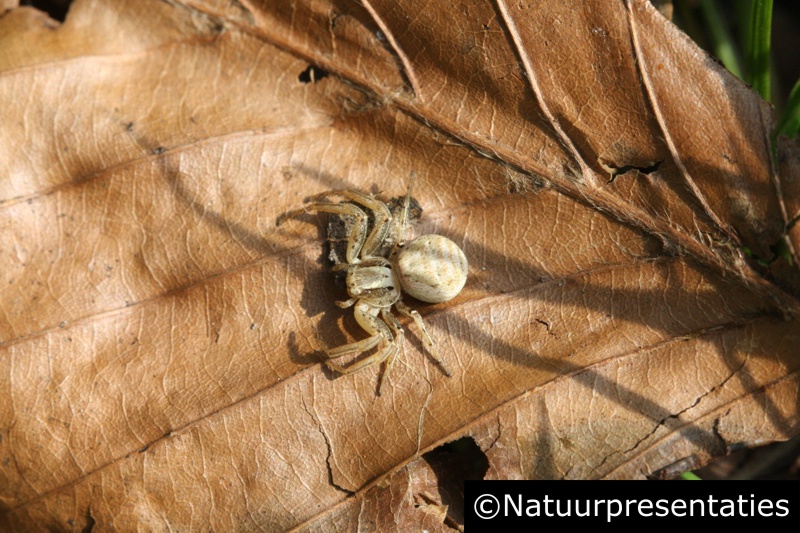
[432, 268]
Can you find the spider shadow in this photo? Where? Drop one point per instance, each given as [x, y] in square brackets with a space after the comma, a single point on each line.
[297, 356]
[602, 299]
[336, 326]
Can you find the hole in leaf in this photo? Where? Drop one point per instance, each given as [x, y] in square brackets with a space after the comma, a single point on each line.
[453, 463]
[57, 9]
[312, 75]
[90, 521]
[617, 171]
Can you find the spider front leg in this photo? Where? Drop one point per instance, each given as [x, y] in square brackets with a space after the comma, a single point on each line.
[426, 337]
[381, 215]
[358, 233]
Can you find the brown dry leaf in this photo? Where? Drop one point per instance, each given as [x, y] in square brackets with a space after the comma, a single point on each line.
[601, 173]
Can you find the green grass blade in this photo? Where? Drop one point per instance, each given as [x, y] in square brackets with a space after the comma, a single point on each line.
[691, 476]
[757, 48]
[790, 122]
[721, 39]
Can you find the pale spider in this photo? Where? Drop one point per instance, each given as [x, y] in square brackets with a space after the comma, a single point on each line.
[378, 264]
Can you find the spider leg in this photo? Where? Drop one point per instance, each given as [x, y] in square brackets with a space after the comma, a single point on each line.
[366, 316]
[389, 331]
[426, 337]
[344, 304]
[375, 261]
[382, 219]
[384, 353]
[397, 328]
[345, 349]
[400, 237]
[358, 233]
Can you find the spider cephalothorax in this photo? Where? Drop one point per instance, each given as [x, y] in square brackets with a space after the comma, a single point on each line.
[404, 210]
[379, 265]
